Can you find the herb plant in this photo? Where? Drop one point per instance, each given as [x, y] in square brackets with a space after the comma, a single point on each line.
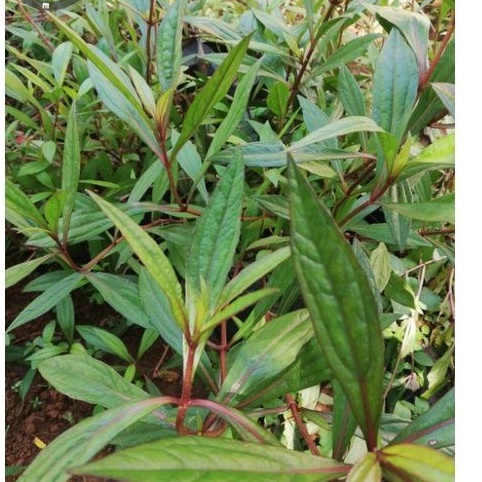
[277, 206]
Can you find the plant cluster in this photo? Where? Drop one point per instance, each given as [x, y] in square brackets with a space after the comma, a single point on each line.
[268, 187]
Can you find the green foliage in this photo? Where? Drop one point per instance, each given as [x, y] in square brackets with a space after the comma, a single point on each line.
[265, 190]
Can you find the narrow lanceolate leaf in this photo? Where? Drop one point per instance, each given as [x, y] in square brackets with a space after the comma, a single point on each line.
[395, 84]
[150, 254]
[80, 443]
[60, 60]
[309, 368]
[441, 209]
[435, 428]
[414, 27]
[114, 86]
[101, 384]
[122, 295]
[346, 53]
[350, 93]
[253, 273]
[70, 168]
[367, 469]
[47, 300]
[429, 106]
[344, 423]
[340, 127]
[342, 307]
[127, 108]
[169, 46]
[416, 463]
[105, 341]
[194, 458]
[398, 224]
[245, 427]
[17, 201]
[214, 91]
[16, 273]
[236, 111]
[265, 355]
[438, 155]
[446, 93]
[216, 235]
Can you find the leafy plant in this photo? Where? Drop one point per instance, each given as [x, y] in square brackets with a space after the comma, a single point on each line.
[279, 223]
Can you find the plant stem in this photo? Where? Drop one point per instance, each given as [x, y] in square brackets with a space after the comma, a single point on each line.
[424, 80]
[188, 376]
[167, 166]
[376, 194]
[31, 21]
[150, 25]
[301, 425]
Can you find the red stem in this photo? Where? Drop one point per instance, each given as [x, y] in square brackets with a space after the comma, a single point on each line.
[426, 77]
[301, 425]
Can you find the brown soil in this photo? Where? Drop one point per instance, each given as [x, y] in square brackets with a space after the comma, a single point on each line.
[45, 413]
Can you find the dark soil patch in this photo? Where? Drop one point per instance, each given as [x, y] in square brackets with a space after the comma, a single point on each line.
[46, 413]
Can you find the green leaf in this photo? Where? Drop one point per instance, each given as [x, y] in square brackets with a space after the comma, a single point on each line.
[429, 107]
[438, 155]
[122, 295]
[81, 442]
[156, 305]
[105, 341]
[169, 46]
[82, 377]
[380, 263]
[350, 93]
[414, 27]
[85, 225]
[346, 53]
[416, 463]
[146, 180]
[191, 458]
[66, 317]
[48, 150]
[367, 469]
[399, 225]
[151, 256]
[21, 204]
[53, 209]
[446, 93]
[441, 209]
[310, 368]
[277, 99]
[70, 169]
[400, 291]
[127, 108]
[214, 91]
[190, 160]
[340, 127]
[236, 111]
[60, 60]
[343, 309]
[216, 236]
[395, 84]
[246, 428]
[16, 273]
[114, 87]
[47, 300]
[252, 273]
[265, 355]
[238, 305]
[143, 91]
[344, 423]
[435, 428]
